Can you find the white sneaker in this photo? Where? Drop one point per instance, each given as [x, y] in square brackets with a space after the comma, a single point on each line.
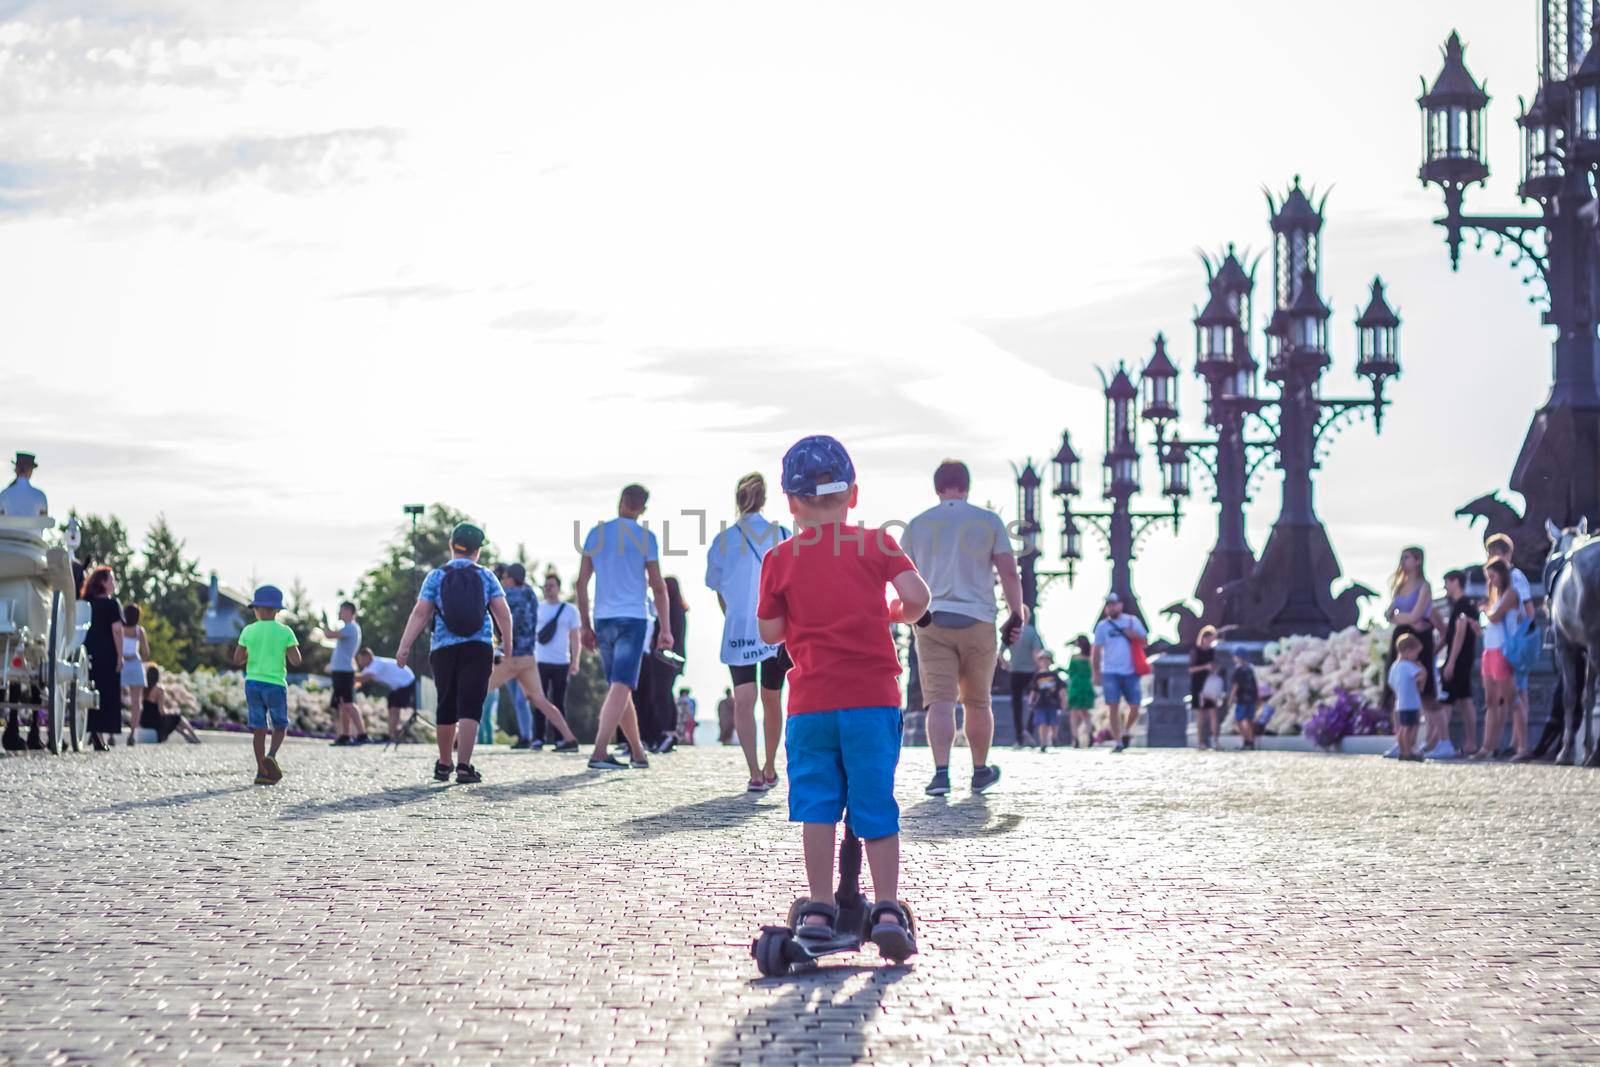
[1443, 750]
[1393, 753]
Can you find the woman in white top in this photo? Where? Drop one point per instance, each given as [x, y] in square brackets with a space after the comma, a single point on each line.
[733, 572]
[135, 651]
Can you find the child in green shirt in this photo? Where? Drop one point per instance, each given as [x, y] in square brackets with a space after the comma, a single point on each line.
[266, 650]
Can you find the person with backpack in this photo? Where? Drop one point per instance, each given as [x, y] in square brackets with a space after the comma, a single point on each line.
[733, 572]
[1522, 640]
[465, 604]
[1116, 669]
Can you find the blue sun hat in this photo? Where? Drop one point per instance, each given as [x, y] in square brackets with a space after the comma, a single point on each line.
[817, 466]
[267, 596]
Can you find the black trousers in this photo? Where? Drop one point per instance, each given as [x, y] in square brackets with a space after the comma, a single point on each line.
[553, 680]
[1019, 693]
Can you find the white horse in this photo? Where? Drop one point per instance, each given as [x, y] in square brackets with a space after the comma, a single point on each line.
[1572, 583]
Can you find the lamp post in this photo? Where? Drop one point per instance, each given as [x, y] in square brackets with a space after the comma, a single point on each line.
[1558, 469]
[415, 511]
[1120, 527]
[1289, 591]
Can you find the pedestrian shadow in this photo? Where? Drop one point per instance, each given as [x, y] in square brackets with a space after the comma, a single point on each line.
[935, 818]
[788, 1029]
[714, 813]
[361, 802]
[524, 788]
[173, 801]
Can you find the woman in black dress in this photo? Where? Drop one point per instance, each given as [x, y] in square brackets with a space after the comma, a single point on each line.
[104, 645]
[1201, 660]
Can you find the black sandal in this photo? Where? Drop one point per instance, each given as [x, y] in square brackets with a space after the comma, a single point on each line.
[815, 931]
[896, 940]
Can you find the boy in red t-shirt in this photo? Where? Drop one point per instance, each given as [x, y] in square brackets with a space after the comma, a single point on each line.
[822, 596]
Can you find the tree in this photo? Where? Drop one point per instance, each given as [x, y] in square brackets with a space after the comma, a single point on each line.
[105, 544]
[168, 583]
[164, 650]
[301, 617]
[387, 592]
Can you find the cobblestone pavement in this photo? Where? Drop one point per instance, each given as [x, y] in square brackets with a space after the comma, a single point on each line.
[1156, 907]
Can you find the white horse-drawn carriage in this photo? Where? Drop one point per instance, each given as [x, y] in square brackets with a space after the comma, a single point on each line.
[42, 629]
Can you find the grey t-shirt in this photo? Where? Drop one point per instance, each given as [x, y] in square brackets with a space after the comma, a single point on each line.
[1023, 649]
[345, 646]
[954, 545]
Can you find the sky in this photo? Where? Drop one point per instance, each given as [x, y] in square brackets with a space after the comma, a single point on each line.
[275, 269]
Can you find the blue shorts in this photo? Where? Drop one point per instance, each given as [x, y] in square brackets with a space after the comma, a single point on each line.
[1408, 717]
[844, 761]
[1243, 711]
[1046, 715]
[1122, 687]
[264, 699]
[621, 644]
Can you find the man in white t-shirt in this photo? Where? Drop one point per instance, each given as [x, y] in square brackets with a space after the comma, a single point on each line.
[1114, 671]
[558, 657]
[959, 548]
[20, 499]
[400, 681]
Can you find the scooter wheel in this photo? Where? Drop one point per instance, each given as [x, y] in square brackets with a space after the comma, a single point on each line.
[771, 959]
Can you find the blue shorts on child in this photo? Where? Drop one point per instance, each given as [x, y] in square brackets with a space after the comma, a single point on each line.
[843, 761]
[1243, 710]
[263, 699]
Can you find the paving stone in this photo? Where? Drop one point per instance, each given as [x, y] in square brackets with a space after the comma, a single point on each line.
[1159, 906]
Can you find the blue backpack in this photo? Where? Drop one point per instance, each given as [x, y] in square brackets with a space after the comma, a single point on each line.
[1522, 644]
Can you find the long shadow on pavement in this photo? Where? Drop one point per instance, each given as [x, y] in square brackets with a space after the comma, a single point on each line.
[712, 814]
[809, 1022]
[361, 802]
[941, 820]
[173, 801]
[533, 787]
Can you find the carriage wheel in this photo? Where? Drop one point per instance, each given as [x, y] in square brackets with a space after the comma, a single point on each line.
[55, 702]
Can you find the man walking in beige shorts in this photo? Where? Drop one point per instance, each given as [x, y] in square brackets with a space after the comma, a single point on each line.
[958, 548]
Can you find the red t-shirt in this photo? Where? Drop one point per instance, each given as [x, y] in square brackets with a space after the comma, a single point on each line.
[828, 584]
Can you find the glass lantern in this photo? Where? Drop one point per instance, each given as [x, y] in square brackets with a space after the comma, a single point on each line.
[1067, 468]
[1585, 84]
[1175, 470]
[1378, 337]
[1159, 381]
[1543, 125]
[1453, 152]
[1071, 537]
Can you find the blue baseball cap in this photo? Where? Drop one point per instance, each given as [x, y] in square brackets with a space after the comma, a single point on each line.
[816, 466]
[267, 596]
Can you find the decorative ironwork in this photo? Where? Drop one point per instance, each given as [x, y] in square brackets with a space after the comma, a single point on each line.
[1553, 249]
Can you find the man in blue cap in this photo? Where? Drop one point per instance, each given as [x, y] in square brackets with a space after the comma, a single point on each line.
[266, 650]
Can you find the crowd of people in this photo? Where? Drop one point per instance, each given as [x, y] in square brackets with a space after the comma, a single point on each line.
[807, 609]
[1434, 649]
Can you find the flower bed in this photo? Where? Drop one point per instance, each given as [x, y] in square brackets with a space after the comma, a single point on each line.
[216, 701]
[1330, 688]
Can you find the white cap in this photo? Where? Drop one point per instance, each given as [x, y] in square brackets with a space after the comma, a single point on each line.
[1113, 599]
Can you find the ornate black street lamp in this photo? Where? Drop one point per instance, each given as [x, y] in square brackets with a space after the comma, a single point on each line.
[1120, 527]
[1289, 591]
[1558, 470]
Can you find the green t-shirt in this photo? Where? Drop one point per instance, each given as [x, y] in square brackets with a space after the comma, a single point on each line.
[267, 641]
